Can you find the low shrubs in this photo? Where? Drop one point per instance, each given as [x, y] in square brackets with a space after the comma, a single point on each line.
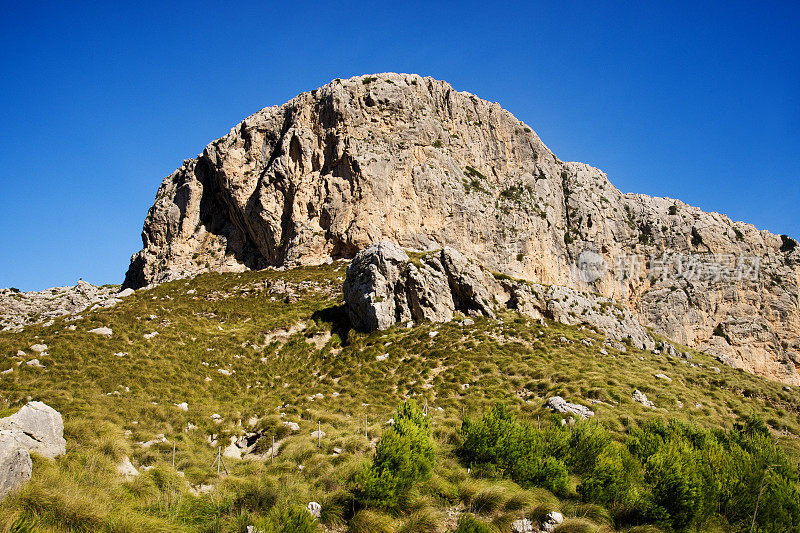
[404, 456]
[672, 474]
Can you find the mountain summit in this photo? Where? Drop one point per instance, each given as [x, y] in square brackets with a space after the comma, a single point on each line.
[408, 159]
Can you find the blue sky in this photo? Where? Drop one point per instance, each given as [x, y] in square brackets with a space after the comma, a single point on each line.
[693, 100]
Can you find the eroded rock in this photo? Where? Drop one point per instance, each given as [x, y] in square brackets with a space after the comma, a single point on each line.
[409, 159]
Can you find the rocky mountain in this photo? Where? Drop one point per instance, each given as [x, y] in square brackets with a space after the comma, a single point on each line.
[409, 159]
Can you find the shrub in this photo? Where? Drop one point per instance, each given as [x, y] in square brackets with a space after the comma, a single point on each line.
[404, 456]
[498, 445]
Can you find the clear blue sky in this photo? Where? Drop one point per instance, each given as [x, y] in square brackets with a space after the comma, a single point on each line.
[693, 100]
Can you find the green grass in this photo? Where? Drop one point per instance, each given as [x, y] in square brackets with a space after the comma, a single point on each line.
[241, 323]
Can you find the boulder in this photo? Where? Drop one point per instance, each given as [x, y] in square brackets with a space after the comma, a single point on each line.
[126, 469]
[559, 405]
[106, 332]
[15, 464]
[35, 428]
[39, 428]
[383, 286]
[640, 397]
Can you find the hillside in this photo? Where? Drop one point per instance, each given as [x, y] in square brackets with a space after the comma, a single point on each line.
[229, 361]
[409, 159]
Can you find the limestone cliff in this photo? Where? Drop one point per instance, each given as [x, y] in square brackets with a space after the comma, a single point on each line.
[409, 159]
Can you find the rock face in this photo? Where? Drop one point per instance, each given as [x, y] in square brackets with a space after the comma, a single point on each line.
[384, 286]
[18, 309]
[35, 428]
[408, 159]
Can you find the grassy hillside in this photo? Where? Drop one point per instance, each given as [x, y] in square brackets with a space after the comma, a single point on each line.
[262, 348]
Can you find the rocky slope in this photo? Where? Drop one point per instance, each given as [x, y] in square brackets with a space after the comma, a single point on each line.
[409, 159]
[18, 309]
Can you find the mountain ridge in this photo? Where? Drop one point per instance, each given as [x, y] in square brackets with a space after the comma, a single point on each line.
[408, 159]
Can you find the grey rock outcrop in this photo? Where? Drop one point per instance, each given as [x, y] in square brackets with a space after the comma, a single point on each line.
[560, 405]
[39, 428]
[409, 159]
[572, 307]
[36, 428]
[18, 309]
[15, 464]
[384, 286]
[640, 397]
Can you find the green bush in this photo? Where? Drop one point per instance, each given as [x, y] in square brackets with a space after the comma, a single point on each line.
[673, 474]
[500, 446]
[404, 456]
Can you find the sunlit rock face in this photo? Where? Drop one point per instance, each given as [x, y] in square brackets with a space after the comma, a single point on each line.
[407, 159]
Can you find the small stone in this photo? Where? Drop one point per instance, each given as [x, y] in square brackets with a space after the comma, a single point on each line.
[150, 335]
[640, 397]
[467, 322]
[126, 469]
[664, 377]
[522, 525]
[104, 331]
[552, 521]
[35, 363]
[183, 406]
[315, 509]
[38, 348]
[124, 293]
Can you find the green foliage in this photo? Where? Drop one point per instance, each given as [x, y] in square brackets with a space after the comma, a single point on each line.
[23, 525]
[673, 210]
[498, 445]
[471, 172]
[294, 519]
[111, 402]
[467, 523]
[673, 474]
[404, 456]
